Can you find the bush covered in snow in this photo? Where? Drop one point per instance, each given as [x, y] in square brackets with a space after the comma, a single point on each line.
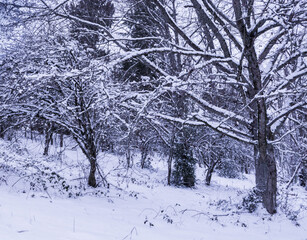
[229, 169]
[251, 201]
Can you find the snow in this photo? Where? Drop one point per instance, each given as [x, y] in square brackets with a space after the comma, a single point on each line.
[145, 209]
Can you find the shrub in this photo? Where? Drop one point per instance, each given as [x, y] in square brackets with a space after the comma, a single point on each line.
[251, 201]
[229, 169]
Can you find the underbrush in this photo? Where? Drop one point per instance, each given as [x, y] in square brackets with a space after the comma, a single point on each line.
[292, 202]
[57, 176]
[36, 174]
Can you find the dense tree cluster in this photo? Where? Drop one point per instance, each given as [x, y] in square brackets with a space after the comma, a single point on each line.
[221, 84]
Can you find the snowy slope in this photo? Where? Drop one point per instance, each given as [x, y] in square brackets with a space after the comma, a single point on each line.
[145, 209]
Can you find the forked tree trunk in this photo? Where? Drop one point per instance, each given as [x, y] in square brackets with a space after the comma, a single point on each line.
[210, 171]
[88, 147]
[209, 175]
[266, 175]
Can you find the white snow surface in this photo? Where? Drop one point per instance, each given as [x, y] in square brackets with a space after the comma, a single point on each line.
[145, 208]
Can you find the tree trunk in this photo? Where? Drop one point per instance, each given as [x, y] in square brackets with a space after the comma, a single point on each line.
[144, 154]
[51, 139]
[269, 198]
[209, 175]
[266, 178]
[31, 132]
[92, 177]
[1, 132]
[48, 139]
[212, 165]
[61, 140]
[266, 174]
[88, 147]
[128, 154]
[169, 168]
[128, 158]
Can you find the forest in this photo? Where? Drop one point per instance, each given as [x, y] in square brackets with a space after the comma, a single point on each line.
[208, 90]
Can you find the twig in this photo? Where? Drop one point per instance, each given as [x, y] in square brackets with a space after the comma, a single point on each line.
[21, 178]
[130, 234]
[294, 174]
[220, 215]
[105, 182]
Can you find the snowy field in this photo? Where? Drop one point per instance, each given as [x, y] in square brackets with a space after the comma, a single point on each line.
[137, 206]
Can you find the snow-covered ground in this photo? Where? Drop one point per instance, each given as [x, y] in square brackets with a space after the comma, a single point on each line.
[137, 206]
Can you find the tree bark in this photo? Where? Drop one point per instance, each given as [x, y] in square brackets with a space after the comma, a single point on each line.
[266, 178]
[265, 165]
[209, 175]
[169, 168]
[2, 132]
[48, 139]
[211, 166]
[144, 154]
[92, 176]
[266, 173]
[31, 132]
[269, 198]
[61, 140]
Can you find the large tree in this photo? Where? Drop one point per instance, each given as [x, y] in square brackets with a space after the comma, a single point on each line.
[256, 51]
